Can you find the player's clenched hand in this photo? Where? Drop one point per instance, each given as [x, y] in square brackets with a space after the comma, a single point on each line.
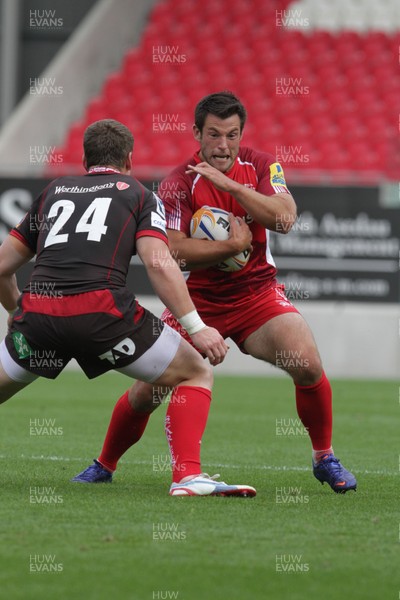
[239, 234]
[210, 342]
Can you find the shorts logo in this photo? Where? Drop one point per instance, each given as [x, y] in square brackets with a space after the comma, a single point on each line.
[121, 185]
[21, 345]
[284, 301]
[121, 350]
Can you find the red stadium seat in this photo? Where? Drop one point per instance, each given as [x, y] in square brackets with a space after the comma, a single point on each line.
[188, 51]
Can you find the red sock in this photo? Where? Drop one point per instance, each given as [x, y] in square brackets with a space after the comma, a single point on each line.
[125, 429]
[314, 407]
[185, 423]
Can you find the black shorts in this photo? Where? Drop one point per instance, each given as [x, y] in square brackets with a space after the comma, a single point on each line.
[102, 330]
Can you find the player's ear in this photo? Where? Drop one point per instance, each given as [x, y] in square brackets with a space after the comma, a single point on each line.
[84, 162]
[128, 163]
[196, 133]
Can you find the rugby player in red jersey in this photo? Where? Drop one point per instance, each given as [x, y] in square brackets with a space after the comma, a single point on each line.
[249, 305]
[83, 231]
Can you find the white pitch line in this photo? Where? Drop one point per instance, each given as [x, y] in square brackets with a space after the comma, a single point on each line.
[214, 465]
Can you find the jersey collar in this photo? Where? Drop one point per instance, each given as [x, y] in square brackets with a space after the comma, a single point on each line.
[103, 170]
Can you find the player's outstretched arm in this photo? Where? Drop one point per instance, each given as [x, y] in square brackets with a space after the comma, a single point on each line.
[13, 254]
[170, 286]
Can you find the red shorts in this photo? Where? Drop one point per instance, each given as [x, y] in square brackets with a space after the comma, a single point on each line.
[237, 321]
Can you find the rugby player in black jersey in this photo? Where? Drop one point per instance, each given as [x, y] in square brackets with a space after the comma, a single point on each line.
[83, 231]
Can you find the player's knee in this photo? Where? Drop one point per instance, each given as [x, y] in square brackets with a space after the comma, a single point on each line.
[204, 372]
[309, 372]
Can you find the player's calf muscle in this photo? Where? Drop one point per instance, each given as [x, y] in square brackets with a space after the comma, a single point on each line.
[144, 397]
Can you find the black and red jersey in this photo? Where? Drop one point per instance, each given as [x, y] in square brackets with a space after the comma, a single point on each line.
[83, 230]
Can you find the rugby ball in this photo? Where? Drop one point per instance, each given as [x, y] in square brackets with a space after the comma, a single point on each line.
[211, 223]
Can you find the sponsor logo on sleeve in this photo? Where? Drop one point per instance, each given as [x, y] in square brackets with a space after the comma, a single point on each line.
[277, 178]
[158, 221]
[160, 206]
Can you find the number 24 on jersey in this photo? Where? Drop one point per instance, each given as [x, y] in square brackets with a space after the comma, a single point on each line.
[92, 221]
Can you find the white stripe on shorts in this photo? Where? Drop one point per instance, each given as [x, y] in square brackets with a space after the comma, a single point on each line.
[13, 369]
[152, 364]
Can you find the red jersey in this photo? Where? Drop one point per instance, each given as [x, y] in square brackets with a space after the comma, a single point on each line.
[183, 194]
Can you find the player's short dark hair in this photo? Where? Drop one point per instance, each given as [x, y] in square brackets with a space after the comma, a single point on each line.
[107, 142]
[222, 105]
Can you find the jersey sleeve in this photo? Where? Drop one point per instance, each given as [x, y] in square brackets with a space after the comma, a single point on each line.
[175, 192]
[271, 178]
[28, 229]
[151, 221]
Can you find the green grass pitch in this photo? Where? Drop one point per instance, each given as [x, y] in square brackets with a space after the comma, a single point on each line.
[130, 541]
